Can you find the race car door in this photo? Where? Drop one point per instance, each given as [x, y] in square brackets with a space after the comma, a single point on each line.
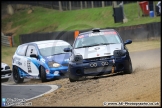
[19, 58]
[32, 63]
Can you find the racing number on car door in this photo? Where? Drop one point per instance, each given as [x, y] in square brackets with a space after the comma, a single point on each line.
[29, 66]
[32, 62]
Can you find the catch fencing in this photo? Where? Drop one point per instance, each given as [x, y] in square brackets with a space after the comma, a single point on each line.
[7, 40]
[67, 5]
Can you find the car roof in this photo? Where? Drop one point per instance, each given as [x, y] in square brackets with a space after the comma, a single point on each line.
[100, 30]
[46, 41]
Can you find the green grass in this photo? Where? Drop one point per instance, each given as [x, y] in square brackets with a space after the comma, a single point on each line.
[6, 54]
[49, 20]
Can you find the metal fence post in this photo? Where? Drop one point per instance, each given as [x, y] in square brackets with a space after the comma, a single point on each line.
[60, 6]
[114, 3]
[81, 4]
[103, 4]
[70, 5]
[154, 6]
[92, 4]
[85, 4]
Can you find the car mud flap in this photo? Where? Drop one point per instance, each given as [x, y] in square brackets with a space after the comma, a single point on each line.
[113, 67]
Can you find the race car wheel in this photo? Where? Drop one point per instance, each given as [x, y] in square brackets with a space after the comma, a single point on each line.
[16, 75]
[76, 78]
[43, 74]
[130, 70]
[72, 80]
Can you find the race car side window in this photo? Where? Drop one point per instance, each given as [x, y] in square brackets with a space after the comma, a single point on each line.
[21, 50]
[31, 50]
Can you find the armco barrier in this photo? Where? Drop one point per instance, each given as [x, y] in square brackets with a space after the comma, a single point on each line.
[64, 35]
[6, 40]
[137, 32]
[140, 32]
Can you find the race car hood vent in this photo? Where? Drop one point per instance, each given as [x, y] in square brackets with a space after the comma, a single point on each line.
[97, 51]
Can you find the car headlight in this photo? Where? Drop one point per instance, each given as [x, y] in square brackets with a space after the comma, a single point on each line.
[56, 65]
[53, 64]
[119, 53]
[76, 58]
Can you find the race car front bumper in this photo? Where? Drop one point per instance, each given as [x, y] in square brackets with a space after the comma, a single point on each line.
[97, 68]
[57, 72]
[6, 74]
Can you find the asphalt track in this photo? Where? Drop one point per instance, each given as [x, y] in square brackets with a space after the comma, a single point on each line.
[27, 92]
[143, 59]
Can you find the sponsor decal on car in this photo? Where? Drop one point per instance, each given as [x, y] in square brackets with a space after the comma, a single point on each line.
[97, 34]
[29, 66]
[19, 63]
[109, 32]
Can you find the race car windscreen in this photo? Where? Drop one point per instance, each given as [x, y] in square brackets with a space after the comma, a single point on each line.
[53, 50]
[99, 38]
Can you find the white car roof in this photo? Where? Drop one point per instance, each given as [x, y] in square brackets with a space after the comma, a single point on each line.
[50, 43]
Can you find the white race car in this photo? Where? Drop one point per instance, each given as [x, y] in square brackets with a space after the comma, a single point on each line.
[5, 72]
[98, 52]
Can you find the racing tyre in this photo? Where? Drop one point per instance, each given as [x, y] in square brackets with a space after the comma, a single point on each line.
[76, 78]
[16, 75]
[43, 74]
[130, 70]
[72, 80]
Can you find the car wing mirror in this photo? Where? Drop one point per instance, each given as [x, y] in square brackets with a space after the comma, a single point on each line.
[128, 42]
[67, 50]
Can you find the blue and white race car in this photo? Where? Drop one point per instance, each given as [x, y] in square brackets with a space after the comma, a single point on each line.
[40, 60]
[98, 52]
